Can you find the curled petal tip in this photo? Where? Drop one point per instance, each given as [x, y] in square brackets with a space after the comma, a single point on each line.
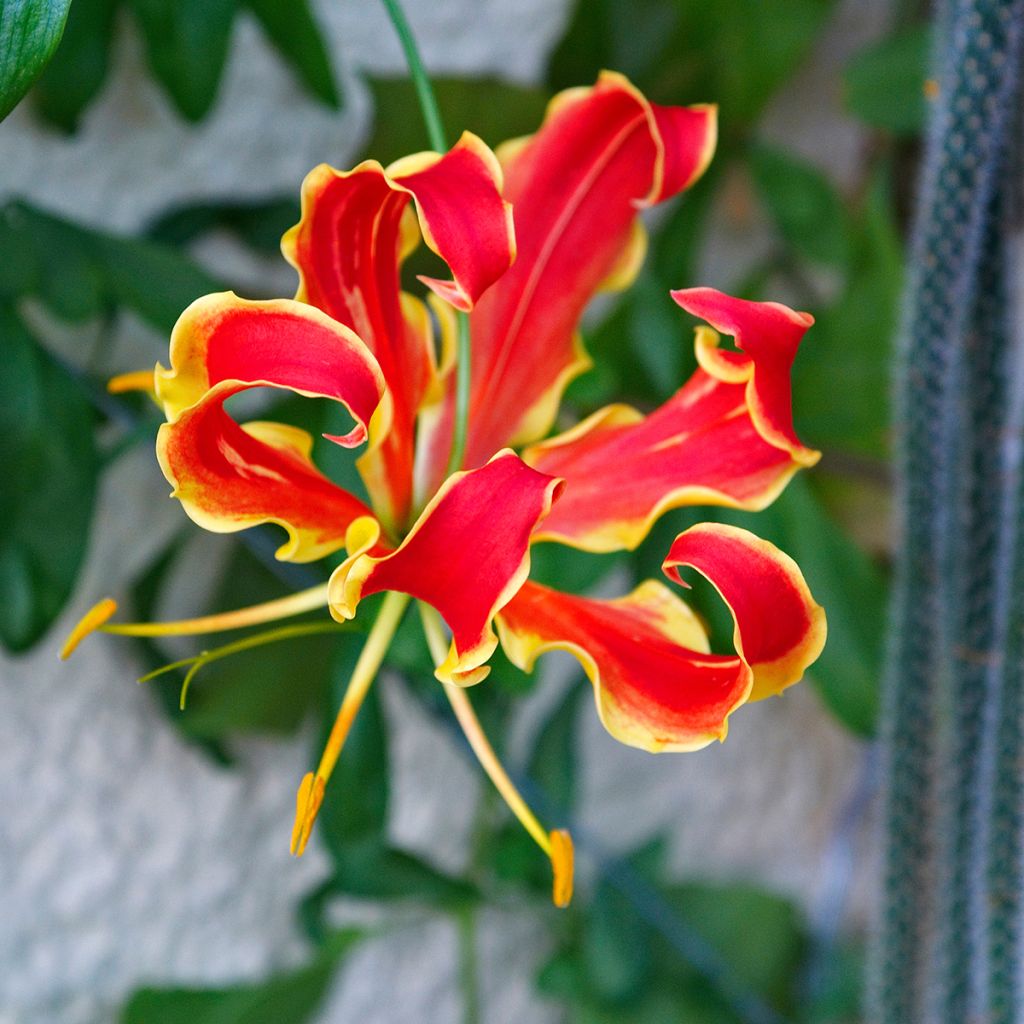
[308, 799]
[93, 619]
[562, 866]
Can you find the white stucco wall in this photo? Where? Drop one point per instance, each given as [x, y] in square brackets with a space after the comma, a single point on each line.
[125, 856]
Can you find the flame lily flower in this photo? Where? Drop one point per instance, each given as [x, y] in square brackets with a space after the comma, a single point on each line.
[460, 542]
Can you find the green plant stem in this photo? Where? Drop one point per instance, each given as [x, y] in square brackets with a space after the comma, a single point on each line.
[468, 967]
[438, 140]
[197, 661]
[460, 420]
[418, 74]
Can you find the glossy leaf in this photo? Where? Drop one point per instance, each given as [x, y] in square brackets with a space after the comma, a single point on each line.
[49, 464]
[29, 33]
[293, 997]
[885, 84]
[79, 67]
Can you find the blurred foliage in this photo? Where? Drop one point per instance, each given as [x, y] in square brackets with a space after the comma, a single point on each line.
[187, 44]
[29, 33]
[292, 997]
[49, 462]
[885, 85]
[637, 944]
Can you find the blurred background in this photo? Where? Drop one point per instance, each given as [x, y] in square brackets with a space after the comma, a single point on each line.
[144, 851]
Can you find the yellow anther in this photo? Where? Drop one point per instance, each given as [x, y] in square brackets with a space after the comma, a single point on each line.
[137, 380]
[562, 859]
[95, 617]
[308, 800]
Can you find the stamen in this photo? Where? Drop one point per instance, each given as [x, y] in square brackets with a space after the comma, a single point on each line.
[137, 380]
[92, 620]
[280, 608]
[562, 858]
[557, 844]
[311, 790]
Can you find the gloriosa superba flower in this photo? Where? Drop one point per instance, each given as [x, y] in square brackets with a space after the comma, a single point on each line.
[530, 233]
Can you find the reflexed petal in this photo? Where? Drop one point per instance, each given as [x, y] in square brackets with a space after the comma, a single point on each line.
[229, 477]
[623, 470]
[231, 343]
[347, 248]
[768, 335]
[780, 630]
[467, 554]
[575, 187]
[655, 685]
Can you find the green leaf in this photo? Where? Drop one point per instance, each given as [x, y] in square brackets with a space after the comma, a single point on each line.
[552, 764]
[885, 83]
[616, 947]
[48, 464]
[79, 67]
[759, 935]
[79, 273]
[807, 211]
[293, 997]
[187, 43]
[353, 820]
[29, 33]
[155, 281]
[355, 803]
[736, 53]
[373, 870]
[292, 28]
[494, 110]
[259, 225]
[852, 341]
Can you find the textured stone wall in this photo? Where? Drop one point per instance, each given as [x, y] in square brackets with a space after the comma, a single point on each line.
[125, 856]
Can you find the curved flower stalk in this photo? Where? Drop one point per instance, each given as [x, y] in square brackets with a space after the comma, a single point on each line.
[459, 542]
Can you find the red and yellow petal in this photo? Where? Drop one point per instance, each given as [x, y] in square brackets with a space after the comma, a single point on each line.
[467, 554]
[655, 684]
[768, 335]
[646, 654]
[576, 187]
[779, 628]
[356, 227]
[228, 343]
[623, 470]
[230, 477]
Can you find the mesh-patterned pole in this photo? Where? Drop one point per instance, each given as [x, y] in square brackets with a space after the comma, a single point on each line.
[952, 779]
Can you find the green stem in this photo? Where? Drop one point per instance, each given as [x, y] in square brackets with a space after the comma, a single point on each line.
[198, 661]
[468, 968]
[418, 74]
[460, 422]
[438, 140]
